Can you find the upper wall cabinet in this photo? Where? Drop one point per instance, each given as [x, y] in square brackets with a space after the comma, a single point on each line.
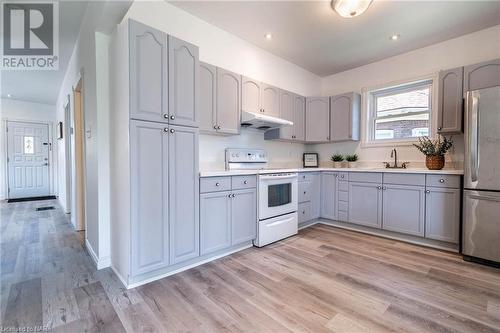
[183, 82]
[250, 95]
[482, 75]
[292, 107]
[287, 112]
[317, 119]
[299, 120]
[148, 73]
[207, 98]
[450, 101]
[270, 97]
[344, 117]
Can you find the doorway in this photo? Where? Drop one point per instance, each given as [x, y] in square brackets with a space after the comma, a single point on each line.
[27, 160]
[78, 187]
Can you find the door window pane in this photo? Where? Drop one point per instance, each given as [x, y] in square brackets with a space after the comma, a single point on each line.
[29, 145]
[279, 195]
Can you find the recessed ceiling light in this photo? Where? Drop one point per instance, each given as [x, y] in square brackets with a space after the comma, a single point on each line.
[395, 37]
[268, 36]
[9, 95]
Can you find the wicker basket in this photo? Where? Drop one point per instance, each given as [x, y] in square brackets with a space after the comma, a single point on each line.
[434, 162]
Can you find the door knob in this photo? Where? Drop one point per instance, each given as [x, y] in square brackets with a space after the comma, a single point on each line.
[165, 116]
[218, 127]
[172, 117]
[217, 184]
[245, 182]
[215, 127]
[439, 128]
[172, 130]
[427, 191]
[165, 129]
[441, 180]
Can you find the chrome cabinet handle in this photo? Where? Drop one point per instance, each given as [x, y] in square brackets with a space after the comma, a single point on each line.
[217, 184]
[215, 127]
[172, 130]
[427, 191]
[342, 176]
[439, 128]
[165, 129]
[229, 196]
[232, 195]
[304, 192]
[218, 127]
[441, 180]
[303, 212]
[245, 182]
[172, 117]
[379, 187]
[165, 116]
[384, 188]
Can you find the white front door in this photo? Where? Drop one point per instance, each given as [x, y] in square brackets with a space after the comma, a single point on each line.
[28, 159]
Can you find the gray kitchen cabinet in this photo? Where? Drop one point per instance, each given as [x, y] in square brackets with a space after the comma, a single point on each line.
[404, 209]
[365, 204]
[299, 120]
[250, 95]
[287, 111]
[345, 117]
[329, 195]
[228, 102]
[183, 193]
[150, 210]
[243, 215]
[207, 98]
[148, 73]
[317, 119]
[270, 98]
[442, 214]
[215, 221]
[450, 101]
[483, 75]
[315, 189]
[292, 107]
[183, 69]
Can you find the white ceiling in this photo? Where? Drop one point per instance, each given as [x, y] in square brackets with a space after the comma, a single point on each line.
[311, 35]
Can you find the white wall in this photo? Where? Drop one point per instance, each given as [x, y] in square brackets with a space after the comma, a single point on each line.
[11, 109]
[468, 49]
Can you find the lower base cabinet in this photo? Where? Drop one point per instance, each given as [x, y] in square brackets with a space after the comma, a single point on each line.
[329, 195]
[442, 214]
[227, 218]
[404, 209]
[365, 204]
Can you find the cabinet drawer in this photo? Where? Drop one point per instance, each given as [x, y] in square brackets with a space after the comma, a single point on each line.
[343, 186]
[306, 176]
[215, 184]
[450, 181]
[304, 191]
[344, 196]
[304, 212]
[404, 179]
[243, 182]
[343, 206]
[366, 177]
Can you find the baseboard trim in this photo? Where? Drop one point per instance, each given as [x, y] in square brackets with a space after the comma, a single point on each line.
[100, 263]
[120, 277]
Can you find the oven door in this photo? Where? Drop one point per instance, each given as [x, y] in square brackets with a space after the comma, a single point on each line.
[277, 195]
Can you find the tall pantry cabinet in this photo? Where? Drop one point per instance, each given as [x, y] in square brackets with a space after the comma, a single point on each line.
[154, 152]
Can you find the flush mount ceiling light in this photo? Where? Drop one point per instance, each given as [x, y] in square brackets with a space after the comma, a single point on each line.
[394, 36]
[9, 95]
[350, 8]
[268, 36]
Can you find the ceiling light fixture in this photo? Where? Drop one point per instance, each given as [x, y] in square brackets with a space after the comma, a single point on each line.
[268, 36]
[350, 8]
[394, 36]
[9, 95]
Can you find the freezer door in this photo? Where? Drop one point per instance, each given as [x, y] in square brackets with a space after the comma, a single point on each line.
[482, 139]
[481, 229]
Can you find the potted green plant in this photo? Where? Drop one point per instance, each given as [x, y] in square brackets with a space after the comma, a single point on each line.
[352, 159]
[434, 151]
[337, 160]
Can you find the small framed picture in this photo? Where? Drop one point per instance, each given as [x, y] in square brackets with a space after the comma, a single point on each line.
[60, 130]
[310, 160]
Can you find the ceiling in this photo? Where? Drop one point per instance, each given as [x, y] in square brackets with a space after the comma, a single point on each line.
[311, 35]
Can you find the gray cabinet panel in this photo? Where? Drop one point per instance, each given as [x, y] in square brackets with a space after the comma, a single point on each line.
[250, 95]
[243, 215]
[442, 214]
[228, 101]
[207, 97]
[315, 195]
[365, 204]
[450, 101]
[183, 193]
[148, 73]
[270, 100]
[317, 119]
[482, 75]
[299, 120]
[215, 221]
[287, 112]
[404, 209]
[149, 197]
[344, 117]
[183, 69]
[329, 195]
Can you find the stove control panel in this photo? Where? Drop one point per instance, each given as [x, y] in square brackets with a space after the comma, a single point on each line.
[246, 155]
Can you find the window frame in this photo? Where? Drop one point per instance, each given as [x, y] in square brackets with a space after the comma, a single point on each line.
[369, 116]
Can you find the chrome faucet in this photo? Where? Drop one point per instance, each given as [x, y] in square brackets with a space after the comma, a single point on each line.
[394, 154]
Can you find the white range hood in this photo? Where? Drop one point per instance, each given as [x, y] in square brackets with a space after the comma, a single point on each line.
[261, 121]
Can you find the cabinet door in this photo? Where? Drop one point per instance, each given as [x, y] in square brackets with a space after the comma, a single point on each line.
[450, 101]
[482, 75]
[207, 97]
[149, 197]
[404, 209]
[183, 193]
[228, 101]
[442, 214]
[250, 95]
[287, 112]
[317, 119]
[243, 215]
[270, 100]
[148, 73]
[215, 221]
[365, 204]
[315, 195]
[183, 69]
[329, 195]
[344, 117]
[299, 120]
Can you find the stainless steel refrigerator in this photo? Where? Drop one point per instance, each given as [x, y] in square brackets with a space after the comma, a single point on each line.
[481, 219]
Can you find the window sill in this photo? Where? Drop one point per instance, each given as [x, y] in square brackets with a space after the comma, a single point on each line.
[395, 143]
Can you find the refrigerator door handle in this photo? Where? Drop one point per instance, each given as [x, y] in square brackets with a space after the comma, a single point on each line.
[472, 142]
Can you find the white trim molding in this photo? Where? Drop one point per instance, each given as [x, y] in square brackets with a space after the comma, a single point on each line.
[100, 263]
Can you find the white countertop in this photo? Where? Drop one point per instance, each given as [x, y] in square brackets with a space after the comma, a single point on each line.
[216, 173]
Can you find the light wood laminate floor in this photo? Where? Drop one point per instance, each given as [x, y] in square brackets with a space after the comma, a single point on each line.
[322, 280]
